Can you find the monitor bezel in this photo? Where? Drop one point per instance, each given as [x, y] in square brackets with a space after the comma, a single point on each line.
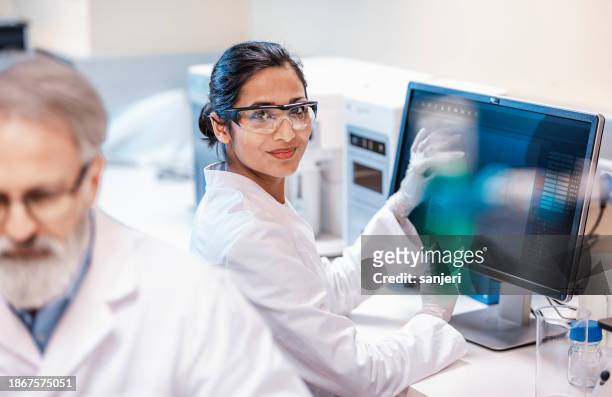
[595, 133]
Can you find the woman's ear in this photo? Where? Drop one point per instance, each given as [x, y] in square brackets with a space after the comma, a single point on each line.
[220, 128]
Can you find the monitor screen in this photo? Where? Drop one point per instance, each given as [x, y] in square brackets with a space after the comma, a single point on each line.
[13, 35]
[525, 174]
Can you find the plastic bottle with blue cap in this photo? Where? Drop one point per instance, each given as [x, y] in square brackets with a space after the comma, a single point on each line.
[584, 359]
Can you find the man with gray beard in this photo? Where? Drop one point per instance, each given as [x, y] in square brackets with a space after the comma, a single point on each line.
[82, 295]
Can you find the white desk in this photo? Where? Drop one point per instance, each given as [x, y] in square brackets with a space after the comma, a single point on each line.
[163, 209]
[482, 373]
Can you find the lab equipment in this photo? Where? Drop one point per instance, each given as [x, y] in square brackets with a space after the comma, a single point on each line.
[373, 113]
[584, 355]
[304, 190]
[559, 373]
[561, 147]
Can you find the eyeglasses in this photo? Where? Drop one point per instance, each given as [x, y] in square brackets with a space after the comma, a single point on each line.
[45, 207]
[265, 119]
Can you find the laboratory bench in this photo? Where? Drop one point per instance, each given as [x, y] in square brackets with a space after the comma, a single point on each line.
[481, 373]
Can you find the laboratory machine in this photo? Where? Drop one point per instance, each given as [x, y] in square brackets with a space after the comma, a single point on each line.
[373, 113]
[372, 128]
[558, 148]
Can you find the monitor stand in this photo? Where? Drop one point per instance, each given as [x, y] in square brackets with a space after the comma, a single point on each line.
[504, 326]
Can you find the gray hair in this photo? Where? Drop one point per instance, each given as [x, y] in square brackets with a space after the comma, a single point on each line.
[35, 87]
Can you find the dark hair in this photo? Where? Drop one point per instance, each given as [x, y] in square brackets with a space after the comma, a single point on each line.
[235, 66]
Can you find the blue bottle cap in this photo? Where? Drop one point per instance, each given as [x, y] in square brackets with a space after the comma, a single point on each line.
[577, 331]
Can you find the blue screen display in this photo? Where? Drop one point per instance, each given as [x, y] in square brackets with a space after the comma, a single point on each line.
[541, 158]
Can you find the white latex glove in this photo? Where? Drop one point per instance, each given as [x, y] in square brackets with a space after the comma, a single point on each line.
[441, 306]
[430, 151]
[436, 300]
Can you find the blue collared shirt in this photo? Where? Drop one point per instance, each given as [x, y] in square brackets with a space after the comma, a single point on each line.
[43, 323]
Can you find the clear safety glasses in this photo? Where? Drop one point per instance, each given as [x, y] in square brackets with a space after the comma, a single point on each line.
[47, 207]
[265, 119]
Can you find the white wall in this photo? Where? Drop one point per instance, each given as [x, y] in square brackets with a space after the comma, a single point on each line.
[559, 51]
[7, 9]
[135, 27]
[156, 26]
[60, 25]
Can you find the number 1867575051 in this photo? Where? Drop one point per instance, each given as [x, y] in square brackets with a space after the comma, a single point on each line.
[37, 383]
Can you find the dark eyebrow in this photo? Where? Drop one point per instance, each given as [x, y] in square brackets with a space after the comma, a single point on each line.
[40, 191]
[263, 103]
[36, 191]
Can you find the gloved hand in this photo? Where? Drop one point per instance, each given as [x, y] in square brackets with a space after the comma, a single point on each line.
[441, 306]
[436, 300]
[431, 150]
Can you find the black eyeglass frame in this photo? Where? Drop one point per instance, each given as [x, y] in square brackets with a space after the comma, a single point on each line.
[232, 113]
[80, 178]
[76, 186]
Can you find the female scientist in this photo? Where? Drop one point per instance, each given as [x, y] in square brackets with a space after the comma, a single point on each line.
[260, 114]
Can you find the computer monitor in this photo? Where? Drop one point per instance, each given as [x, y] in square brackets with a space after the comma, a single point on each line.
[559, 147]
[13, 35]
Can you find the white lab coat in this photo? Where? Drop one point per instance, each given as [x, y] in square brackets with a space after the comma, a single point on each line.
[148, 321]
[271, 252]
